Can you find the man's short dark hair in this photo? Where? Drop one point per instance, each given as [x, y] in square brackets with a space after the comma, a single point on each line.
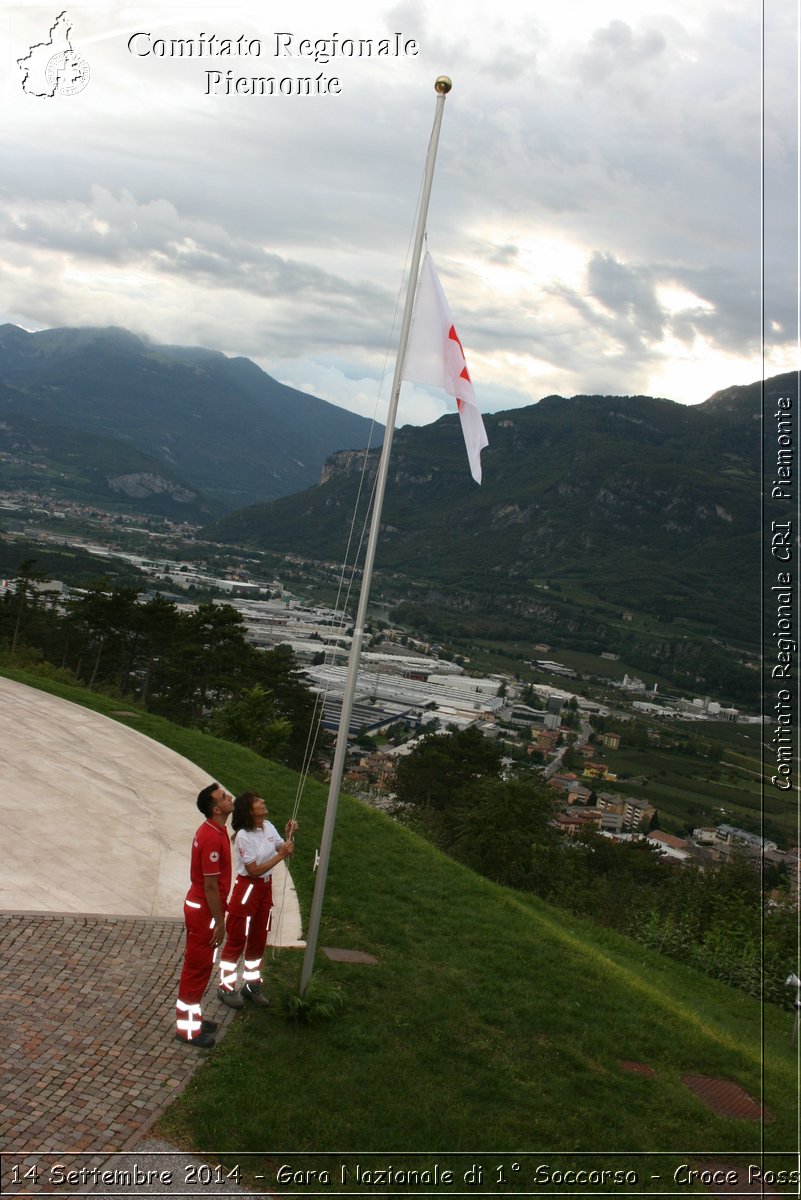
[205, 799]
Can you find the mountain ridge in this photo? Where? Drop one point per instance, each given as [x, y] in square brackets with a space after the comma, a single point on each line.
[632, 502]
[188, 408]
[592, 507]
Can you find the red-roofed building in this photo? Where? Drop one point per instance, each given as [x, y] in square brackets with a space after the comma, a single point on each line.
[670, 845]
[576, 821]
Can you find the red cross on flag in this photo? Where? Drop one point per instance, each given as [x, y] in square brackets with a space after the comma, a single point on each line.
[434, 357]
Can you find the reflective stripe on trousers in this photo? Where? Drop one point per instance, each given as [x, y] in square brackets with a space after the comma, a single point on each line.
[187, 1020]
[227, 974]
[251, 972]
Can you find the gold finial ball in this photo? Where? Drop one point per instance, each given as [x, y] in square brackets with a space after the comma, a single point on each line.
[443, 85]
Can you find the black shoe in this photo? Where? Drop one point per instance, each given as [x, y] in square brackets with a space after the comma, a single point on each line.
[232, 999]
[252, 992]
[209, 1026]
[203, 1041]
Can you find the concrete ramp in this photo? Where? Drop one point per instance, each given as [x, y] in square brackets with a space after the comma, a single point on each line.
[98, 818]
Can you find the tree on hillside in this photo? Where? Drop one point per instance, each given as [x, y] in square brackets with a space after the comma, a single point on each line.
[496, 824]
[184, 666]
[251, 719]
[113, 619]
[278, 671]
[602, 879]
[25, 592]
[571, 759]
[437, 770]
[158, 623]
[214, 662]
[100, 626]
[532, 698]
[363, 739]
[206, 662]
[570, 715]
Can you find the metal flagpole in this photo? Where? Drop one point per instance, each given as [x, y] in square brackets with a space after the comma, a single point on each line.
[442, 86]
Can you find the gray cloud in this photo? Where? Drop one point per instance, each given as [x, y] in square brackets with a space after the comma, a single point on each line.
[627, 141]
[616, 52]
[629, 294]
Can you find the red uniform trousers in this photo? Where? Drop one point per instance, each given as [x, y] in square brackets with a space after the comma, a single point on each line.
[197, 968]
[246, 924]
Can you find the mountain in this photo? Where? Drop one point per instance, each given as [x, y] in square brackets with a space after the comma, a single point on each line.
[592, 507]
[220, 427]
[87, 469]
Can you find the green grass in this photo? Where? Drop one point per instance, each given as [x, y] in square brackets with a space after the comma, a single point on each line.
[491, 1025]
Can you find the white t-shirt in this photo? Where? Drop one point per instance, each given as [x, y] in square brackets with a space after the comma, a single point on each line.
[256, 846]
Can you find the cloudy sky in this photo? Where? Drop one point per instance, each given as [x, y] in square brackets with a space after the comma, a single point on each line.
[597, 214]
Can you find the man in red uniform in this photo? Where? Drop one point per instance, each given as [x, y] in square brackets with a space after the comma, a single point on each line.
[204, 914]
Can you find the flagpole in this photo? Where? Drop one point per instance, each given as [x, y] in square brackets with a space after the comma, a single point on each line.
[442, 86]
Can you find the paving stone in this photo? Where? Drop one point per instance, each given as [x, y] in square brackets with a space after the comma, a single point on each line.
[726, 1098]
[91, 1075]
[349, 956]
[637, 1068]
[740, 1185]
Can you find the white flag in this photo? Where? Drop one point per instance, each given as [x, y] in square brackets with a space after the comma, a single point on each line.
[435, 357]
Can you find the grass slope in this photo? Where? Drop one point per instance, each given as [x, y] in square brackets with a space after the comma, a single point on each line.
[492, 1023]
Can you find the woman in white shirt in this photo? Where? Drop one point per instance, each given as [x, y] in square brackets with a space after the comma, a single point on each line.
[258, 848]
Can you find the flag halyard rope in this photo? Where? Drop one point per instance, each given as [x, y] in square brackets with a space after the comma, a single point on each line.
[340, 604]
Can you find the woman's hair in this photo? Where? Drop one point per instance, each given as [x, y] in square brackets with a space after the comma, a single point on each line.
[242, 817]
